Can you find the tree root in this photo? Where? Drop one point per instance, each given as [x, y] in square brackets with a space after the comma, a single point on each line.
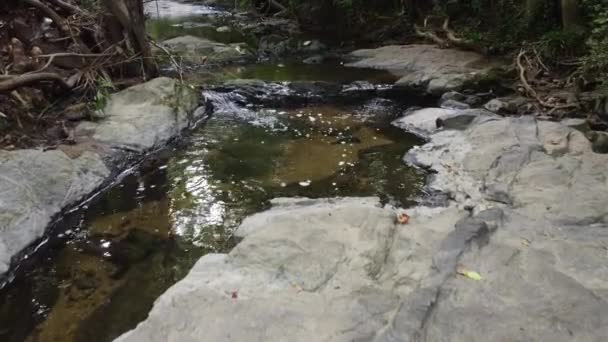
[66, 6]
[529, 91]
[430, 36]
[29, 79]
[49, 12]
[451, 39]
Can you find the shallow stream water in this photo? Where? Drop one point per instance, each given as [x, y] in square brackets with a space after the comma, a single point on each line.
[103, 266]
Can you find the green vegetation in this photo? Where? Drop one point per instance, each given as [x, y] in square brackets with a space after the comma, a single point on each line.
[569, 35]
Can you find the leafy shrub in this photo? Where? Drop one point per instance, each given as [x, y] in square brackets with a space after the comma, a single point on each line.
[596, 62]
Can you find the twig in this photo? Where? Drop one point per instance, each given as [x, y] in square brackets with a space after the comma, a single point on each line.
[172, 58]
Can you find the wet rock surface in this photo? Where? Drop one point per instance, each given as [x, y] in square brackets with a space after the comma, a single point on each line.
[36, 185]
[425, 67]
[254, 91]
[526, 212]
[198, 50]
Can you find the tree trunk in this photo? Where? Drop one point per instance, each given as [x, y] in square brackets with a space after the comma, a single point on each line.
[130, 15]
[533, 10]
[570, 12]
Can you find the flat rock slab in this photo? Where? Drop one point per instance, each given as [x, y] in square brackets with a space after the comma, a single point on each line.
[425, 67]
[527, 213]
[198, 50]
[36, 185]
[307, 270]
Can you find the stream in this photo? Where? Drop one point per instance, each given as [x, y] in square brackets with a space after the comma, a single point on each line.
[103, 265]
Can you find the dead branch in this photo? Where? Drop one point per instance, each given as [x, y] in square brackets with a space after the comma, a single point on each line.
[25, 80]
[66, 6]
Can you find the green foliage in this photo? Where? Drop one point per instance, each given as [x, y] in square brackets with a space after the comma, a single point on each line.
[560, 44]
[499, 25]
[596, 62]
[104, 88]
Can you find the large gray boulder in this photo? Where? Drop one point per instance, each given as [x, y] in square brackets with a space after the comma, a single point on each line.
[198, 50]
[144, 116]
[36, 185]
[425, 67]
[527, 213]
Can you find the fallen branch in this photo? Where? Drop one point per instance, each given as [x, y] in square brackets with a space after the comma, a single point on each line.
[26, 80]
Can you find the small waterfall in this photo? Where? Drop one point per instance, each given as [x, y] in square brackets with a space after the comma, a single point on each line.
[234, 106]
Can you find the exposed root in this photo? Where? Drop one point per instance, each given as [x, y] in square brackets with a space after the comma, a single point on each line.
[49, 12]
[430, 36]
[29, 79]
[531, 92]
[451, 39]
[66, 6]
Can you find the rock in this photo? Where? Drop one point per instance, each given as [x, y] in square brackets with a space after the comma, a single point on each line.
[223, 29]
[144, 116]
[422, 121]
[313, 280]
[428, 120]
[527, 212]
[200, 50]
[425, 67]
[451, 104]
[462, 119]
[578, 124]
[36, 185]
[453, 96]
[316, 59]
[506, 105]
[600, 142]
[312, 46]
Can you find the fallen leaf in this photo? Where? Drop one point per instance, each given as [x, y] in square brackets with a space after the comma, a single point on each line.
[468, 273]
[403, 218]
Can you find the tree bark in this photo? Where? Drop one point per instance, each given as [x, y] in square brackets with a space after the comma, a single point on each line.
[570, 13]
[131, 17]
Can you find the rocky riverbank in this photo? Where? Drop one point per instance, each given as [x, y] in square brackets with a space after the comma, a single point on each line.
[37, 184]
[517, 253]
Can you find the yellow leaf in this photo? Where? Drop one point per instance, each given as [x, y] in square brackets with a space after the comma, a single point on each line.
[468, 273]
